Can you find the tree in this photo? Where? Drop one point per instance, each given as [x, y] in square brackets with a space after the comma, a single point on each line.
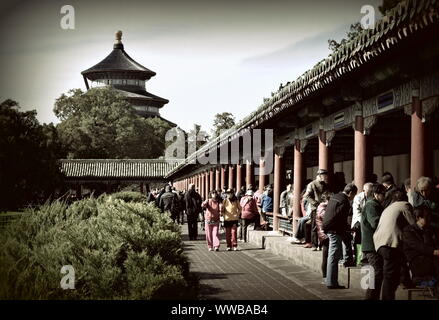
[101, 124]
[222, 121]
[29, 171]
[388, 4]
[354, 30]
[198, 135]
[159, 128]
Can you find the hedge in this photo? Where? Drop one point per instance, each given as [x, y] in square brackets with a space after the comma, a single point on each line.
[119, 250]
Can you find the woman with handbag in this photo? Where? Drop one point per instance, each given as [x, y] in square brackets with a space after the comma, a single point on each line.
[212, 207]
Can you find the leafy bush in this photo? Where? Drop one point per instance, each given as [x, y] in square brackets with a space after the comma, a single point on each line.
[129, 196]
[119, 250]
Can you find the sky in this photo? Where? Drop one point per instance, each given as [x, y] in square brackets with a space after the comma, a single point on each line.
[209, 56]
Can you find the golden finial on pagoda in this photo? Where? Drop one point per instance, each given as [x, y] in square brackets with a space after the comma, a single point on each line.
[119, 36]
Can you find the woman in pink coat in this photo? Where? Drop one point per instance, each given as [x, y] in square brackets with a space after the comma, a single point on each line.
[212, 213]
[249, 212]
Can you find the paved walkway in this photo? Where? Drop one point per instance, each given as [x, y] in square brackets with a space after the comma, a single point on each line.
[254, 274]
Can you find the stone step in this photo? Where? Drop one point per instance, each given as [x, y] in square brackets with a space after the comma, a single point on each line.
[352, 277]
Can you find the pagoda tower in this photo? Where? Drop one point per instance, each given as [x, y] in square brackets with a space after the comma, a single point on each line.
[128, 77]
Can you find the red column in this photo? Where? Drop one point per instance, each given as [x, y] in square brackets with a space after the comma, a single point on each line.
[298, 181]
[217, 179]
[262, 176]
[360, 165]
[276, 189]
[211, 181]
[323, 151]
[203, 184]
[417, 154]
[231, 177]
[223, 177]
[206, 185]
[248, 173]
[325, 156]
[238, 177]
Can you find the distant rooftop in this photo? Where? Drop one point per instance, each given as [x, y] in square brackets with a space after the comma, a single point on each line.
[116, 168]
[118, 60]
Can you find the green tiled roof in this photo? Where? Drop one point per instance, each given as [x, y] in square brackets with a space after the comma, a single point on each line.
[116, 169]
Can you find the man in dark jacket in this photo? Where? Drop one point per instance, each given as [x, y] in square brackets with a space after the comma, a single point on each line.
[182, 206]
[193, 208]
[157, 200]
[169, 202]
[369, 222]
[421, 247]
[335, 225]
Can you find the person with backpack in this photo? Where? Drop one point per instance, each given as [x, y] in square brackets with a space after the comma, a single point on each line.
[212, 207]
[313, 193]
[169, 202]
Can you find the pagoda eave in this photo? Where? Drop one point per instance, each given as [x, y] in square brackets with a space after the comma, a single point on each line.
[117, 73]
[146, 101]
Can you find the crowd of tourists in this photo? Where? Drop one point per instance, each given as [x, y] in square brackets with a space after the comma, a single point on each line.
[227, 210]
[392, 229]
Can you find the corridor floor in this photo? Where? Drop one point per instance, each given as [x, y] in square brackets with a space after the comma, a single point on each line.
[253, 273]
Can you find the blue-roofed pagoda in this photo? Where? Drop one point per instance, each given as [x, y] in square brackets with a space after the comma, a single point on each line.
[128, 77]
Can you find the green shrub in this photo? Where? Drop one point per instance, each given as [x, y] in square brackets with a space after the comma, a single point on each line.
[119, 250]
[129, 196]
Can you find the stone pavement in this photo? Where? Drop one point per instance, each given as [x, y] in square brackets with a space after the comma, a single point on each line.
[255, 274]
